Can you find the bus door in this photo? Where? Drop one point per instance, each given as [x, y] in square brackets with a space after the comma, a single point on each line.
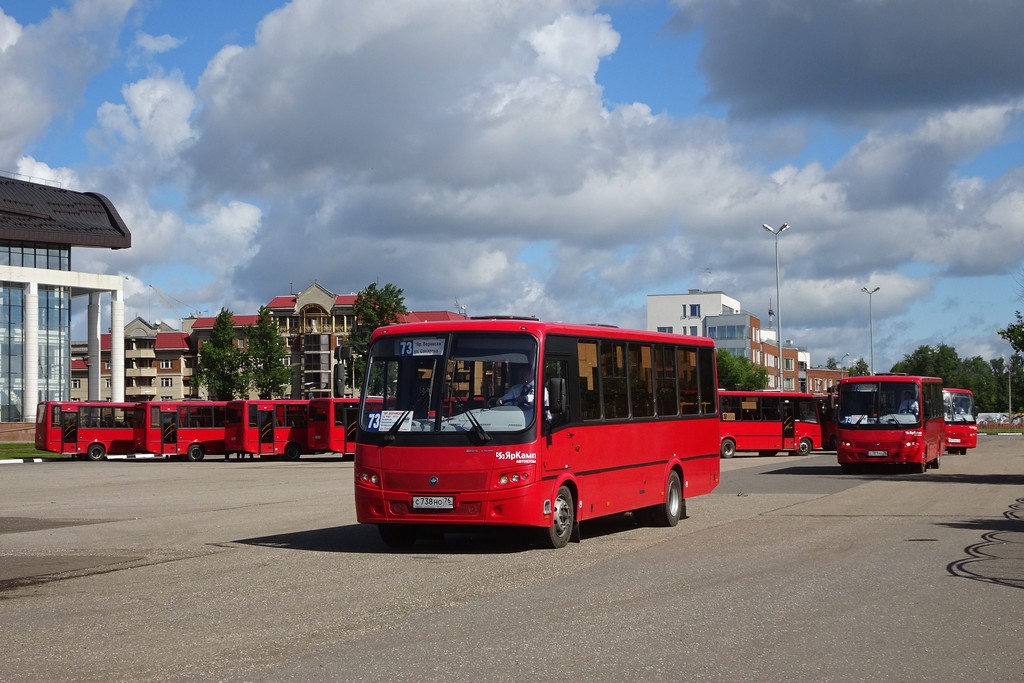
[265, 428]
[349, 416]
[68, 430]
[788, 408]
[169, 431]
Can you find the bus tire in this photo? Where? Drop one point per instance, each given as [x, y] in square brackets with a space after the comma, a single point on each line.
[804, 447]
[398, 536]
[669, 512]
[935, 463]
[95, 452]
[563, 520]
[728, 448]
[194, 453]
[291, 452]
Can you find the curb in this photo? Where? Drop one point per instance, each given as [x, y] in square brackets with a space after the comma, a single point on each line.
[130, 456]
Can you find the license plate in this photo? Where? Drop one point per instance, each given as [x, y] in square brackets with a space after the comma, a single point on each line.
[877, 454]
[433, 502]
[954, 440]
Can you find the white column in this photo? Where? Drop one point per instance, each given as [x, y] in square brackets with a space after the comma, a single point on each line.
[30, 355]
[95, 356]
[117, 345]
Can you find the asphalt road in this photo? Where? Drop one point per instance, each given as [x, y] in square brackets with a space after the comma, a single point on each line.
[257, 571]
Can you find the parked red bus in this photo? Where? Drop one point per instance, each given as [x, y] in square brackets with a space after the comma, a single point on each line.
[274, 427]
[85, 429]
[332, 425]
[628, 421]
[893, 419]
[768, 422]
[961, 420]
[191, 429]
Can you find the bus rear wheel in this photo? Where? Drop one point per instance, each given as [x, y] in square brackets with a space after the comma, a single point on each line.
[194, 453]
[804, 447]
[728, 448]
[95, 452]
[291, 452]
[563, 520]
[669, 512]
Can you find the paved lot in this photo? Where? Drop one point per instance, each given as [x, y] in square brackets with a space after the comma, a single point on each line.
[257, 571]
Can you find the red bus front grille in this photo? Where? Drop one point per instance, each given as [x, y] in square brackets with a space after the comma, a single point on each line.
[447, 482]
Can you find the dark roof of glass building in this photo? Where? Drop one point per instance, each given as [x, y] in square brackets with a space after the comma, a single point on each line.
[32, 212]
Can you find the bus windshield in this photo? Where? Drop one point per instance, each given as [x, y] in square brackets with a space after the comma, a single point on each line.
[879, 404]
[959, 407]
[462, 382]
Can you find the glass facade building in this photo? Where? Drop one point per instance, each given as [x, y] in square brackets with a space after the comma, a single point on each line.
[54, 329]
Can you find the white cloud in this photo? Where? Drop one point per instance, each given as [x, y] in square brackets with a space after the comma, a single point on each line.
[10, 31]
[156, 44]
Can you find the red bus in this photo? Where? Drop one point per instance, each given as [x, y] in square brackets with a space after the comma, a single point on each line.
[768, 422]
[180, 428]
[85, 429]
[628, 421]
[332, 425]
[273, 427]
[893, 419]
[961, 420]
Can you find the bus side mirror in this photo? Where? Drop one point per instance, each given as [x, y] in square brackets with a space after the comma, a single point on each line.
[556, 395]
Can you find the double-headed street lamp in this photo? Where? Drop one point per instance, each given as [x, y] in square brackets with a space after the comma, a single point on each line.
[778, 304]
[871, 324]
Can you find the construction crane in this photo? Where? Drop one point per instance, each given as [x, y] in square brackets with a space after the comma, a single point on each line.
[169, 302]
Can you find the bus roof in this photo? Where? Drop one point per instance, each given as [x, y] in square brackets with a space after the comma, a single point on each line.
[538, 328]
[890, 377]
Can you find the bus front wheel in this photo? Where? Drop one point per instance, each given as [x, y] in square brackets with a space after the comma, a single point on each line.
[563, 519]
[194, 453]
[804, 447]
[728, 448]
[291, 452]
[95, 452]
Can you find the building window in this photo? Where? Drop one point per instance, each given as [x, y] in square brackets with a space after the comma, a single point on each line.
[693, 330]
[167, 365]
[694, 310]
[166, 381]
[789, 364]
[76, 384]
[665, 329]
[106, 382]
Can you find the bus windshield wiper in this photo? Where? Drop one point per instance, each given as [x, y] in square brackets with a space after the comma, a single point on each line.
[390, 436]
[478, 428]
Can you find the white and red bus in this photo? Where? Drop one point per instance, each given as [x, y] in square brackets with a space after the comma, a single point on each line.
[332, 425]
[524, 423]
[192, 429]
[85, 429]
[768, 422]
[892, 419]
[272, 427]
[961, 420]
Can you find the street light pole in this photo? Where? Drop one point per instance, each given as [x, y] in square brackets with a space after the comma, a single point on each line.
[871, 324]
[842, 365]
[778, 304]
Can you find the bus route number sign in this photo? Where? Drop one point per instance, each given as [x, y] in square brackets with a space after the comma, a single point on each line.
[421, 346]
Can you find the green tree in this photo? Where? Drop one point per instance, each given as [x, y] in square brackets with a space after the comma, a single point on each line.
[1014, 333]
[738, 373]
[831, 363]
[374, 307]
[221, 366]
[264, 356]
[938, 361]
[859, 368]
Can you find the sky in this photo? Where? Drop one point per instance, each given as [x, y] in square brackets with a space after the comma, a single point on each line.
[555, 158]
